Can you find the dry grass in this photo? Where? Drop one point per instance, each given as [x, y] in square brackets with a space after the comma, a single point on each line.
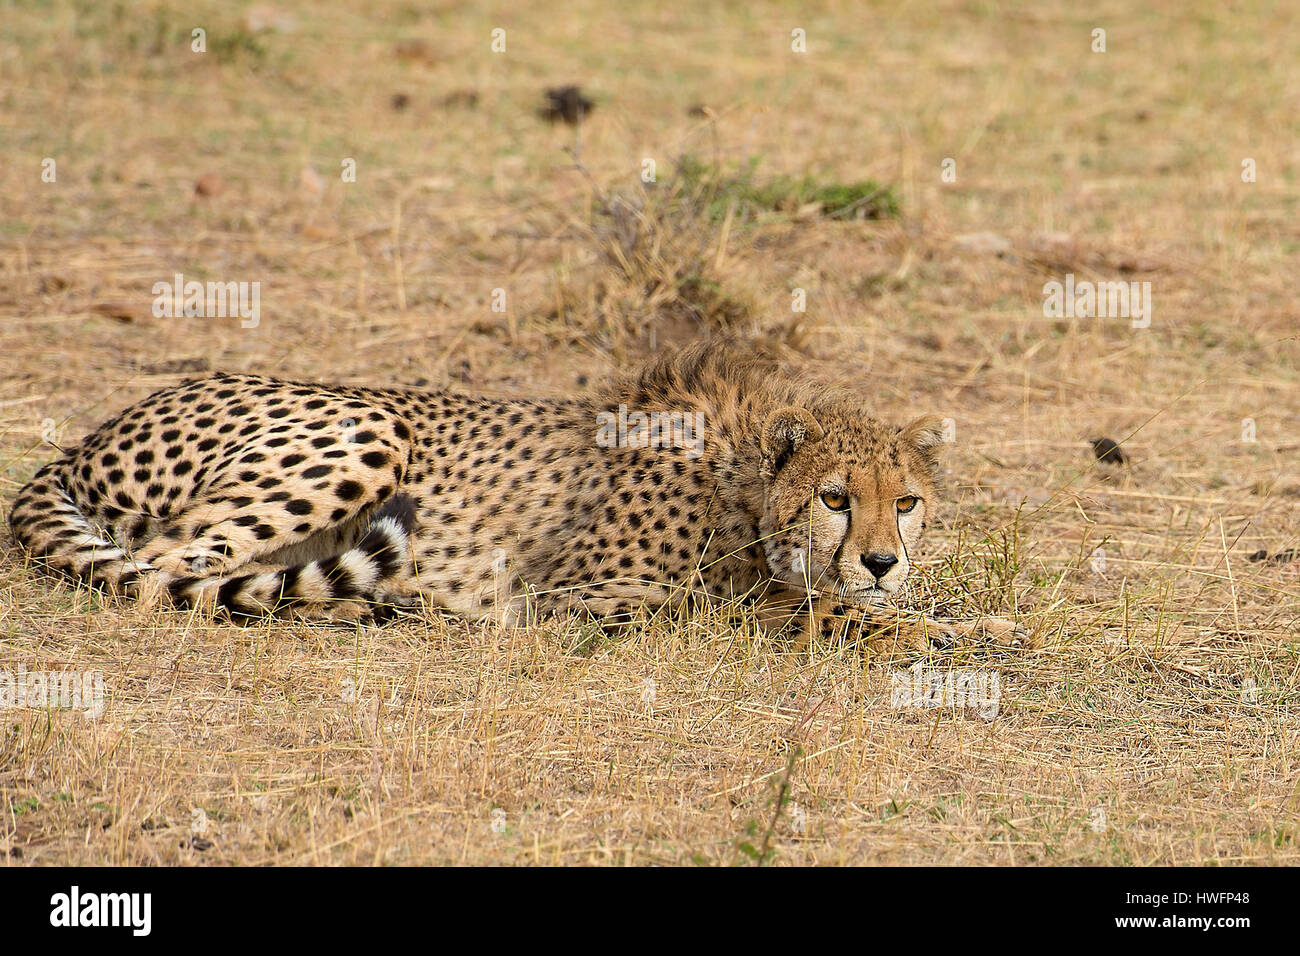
[1132, 736]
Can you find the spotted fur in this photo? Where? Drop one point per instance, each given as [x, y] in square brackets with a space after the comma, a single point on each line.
[257, 493]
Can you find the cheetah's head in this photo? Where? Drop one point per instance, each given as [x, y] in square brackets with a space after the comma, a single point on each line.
[846, 499]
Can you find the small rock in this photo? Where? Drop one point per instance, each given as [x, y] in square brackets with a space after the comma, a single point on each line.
[1281, 557]
[1108, 451]
[209, 184]
[567, 103]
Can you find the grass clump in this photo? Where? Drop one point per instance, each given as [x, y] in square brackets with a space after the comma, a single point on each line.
[719, 190]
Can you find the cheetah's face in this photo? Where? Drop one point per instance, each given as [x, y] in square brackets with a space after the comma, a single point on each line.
[847, 499]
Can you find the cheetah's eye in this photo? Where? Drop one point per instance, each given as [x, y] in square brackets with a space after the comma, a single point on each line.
[906, 504]
[835, 500]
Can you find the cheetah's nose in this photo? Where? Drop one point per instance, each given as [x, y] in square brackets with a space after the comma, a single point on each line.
[879, 563]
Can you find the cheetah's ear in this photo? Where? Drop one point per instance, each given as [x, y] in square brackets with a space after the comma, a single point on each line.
[783, 432]
[927, 436]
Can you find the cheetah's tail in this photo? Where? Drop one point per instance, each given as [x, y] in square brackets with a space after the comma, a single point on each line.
[46, 521]
[380, 559]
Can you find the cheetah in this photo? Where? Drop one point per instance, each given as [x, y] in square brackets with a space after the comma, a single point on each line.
[710, 474]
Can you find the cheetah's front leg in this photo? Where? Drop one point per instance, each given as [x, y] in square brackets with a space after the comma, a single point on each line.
[897, 631]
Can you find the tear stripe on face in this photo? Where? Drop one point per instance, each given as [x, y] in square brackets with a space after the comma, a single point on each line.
[902, 542]
[839, 551]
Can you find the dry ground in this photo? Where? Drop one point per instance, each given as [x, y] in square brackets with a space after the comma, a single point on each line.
[1157, 724]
